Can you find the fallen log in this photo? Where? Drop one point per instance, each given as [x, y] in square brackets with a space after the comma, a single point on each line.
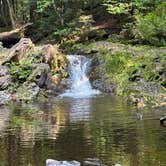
[13, 34]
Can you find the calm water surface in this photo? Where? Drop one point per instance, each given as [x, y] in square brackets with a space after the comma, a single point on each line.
[102, 127]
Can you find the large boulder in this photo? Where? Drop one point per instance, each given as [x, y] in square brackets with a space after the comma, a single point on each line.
[19, 50]
[56, 60]
[55, 84]
[28, 91]
[39, 74]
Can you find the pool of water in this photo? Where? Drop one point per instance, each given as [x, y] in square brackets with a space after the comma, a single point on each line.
[103, 127]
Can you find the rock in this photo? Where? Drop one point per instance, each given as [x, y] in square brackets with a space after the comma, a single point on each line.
[5, 77]
[50, 162]
[18, 51]
[55, 84]
[162, 119]
[5, 97]
[103, 86]
[49, 54]
[56, 60]
[39, 74]
[5, 81]
[118, 165]
[28, 91]
[4, 70]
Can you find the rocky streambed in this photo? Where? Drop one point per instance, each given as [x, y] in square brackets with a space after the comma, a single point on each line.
[138, 73]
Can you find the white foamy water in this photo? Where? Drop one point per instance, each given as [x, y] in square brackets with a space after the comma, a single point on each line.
[80, 85]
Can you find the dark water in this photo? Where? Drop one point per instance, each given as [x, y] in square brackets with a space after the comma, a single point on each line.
[73, 129]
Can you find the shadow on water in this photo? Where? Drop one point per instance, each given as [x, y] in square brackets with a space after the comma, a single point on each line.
[101, 127]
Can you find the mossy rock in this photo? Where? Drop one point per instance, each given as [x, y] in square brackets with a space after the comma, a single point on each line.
[134, 70]
[28, 91]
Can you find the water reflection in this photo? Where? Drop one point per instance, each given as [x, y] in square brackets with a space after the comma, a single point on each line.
[5, 114]
[79, 109]
[74, 129]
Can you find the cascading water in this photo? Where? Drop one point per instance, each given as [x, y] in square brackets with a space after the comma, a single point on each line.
[80, 85]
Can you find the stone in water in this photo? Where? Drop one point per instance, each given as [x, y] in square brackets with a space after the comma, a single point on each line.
[51, 162]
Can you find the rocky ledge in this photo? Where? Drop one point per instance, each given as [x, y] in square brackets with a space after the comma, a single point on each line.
[30, 72]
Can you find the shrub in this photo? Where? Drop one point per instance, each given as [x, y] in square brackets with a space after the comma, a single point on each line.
[152, 27]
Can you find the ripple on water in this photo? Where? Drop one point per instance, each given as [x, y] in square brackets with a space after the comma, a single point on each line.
[102, 127]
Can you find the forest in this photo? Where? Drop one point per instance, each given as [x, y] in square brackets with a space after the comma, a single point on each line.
[133, 21]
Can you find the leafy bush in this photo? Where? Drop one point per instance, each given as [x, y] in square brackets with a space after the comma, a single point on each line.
[20, 72]
[116, 7]
[152, 27]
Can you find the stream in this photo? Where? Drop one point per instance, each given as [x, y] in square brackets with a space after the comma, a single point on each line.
[78, 125]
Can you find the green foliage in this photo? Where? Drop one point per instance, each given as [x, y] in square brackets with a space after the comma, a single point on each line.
[116, 7]
[72, 21]
[115, 63]
[151, 27]
[77, 30]
[43, 4]
[20, 72]
[96, 34]
[130, 70]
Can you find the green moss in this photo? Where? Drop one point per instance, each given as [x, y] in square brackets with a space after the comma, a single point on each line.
[115, 63]
[136, 71]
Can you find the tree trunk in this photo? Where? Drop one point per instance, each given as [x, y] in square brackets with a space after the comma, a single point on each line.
[32, 8]
[11, 14]
[3, 13]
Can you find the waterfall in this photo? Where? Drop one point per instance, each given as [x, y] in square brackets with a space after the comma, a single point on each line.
[80, 85]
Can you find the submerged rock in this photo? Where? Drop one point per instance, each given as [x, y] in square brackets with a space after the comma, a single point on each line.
[50, 162]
